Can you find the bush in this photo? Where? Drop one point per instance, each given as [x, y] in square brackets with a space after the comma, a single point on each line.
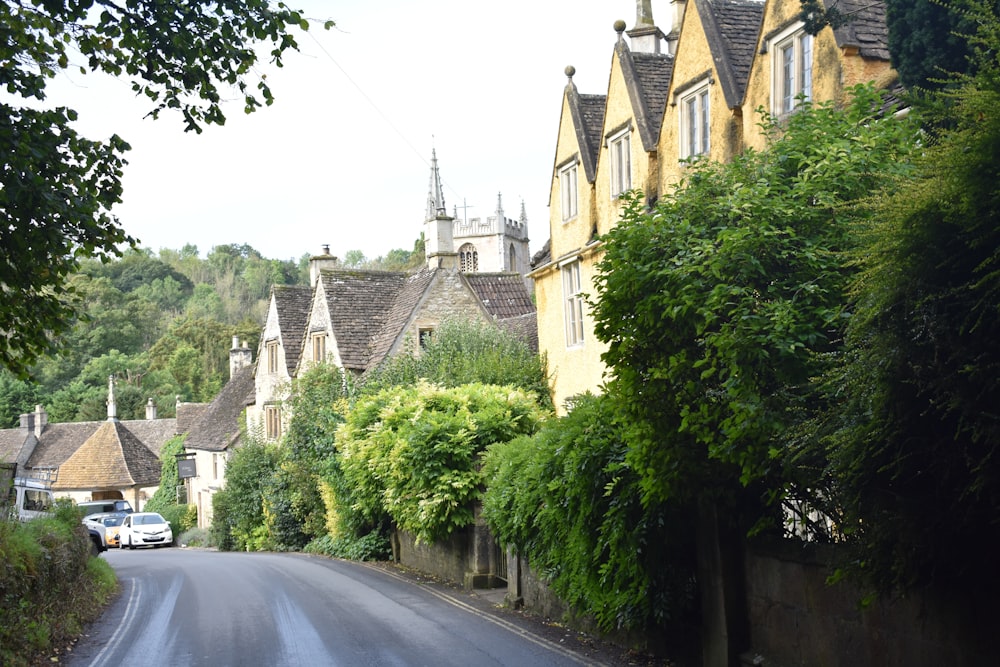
[194, 537]
[373, 546]
[180, 518]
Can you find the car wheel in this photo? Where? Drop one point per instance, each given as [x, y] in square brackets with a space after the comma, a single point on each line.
[130, 545]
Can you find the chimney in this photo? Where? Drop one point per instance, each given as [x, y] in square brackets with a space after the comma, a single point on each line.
[240, 356]
[112, 404]
[676, 18]
[645, 36]
[28, 423]
[319, 262]
[41, 420]
[150, 409]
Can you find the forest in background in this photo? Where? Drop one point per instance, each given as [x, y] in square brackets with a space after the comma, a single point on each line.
[162, 324]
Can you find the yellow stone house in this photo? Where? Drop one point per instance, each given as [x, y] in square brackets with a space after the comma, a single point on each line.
[674, 95]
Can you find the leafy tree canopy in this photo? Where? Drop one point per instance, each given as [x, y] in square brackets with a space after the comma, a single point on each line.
[57, 188]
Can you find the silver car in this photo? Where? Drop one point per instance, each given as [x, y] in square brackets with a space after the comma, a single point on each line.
[144, 529]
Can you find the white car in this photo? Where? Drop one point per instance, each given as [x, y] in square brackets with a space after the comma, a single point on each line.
[144, 529]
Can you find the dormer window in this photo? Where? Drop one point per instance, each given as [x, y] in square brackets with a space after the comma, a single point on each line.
[791, 69]
[620, 160]
[568, 193]
[695, 126]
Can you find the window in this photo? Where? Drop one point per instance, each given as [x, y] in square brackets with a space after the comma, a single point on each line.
[568, 191]
[272, 422]
[424, 336]
[319, 347]
[791, 73]
[512, 258]
[573, 300]
[272, 356]
[695, 124]
[619, 151]
[468, 259]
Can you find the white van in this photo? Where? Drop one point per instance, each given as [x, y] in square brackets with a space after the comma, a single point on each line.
[29, 498]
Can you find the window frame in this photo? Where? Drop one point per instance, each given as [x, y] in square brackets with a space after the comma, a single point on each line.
[318, 343]
[795, 71]
[272, 422]
[569, 190]
[699, 101]
[572, 282]
[619, 147]
[272, 356]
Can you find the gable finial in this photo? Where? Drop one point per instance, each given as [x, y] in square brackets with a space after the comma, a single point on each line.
[112, 405]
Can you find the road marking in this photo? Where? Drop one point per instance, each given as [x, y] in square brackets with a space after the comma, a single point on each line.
[507, 625]
[131, 608]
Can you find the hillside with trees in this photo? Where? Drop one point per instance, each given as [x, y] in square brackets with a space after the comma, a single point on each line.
[162, 325]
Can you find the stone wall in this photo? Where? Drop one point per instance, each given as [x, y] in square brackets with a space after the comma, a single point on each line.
[797, 618]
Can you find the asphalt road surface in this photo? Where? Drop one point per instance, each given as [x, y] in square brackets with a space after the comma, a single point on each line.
[191, 607]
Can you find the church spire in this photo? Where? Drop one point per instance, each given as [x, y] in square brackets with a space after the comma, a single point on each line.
[435, 193]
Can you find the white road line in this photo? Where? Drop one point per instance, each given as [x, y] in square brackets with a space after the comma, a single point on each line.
[135, 594]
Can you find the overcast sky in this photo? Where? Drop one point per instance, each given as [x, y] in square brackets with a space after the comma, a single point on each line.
[342, 157]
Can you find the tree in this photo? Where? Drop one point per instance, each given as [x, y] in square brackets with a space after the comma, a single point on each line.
[57, 188]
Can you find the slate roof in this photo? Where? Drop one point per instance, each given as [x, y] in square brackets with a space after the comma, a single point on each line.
[731, 28]
[218, 427]
[292, 303]
[153, 433]
[112, 457]
[11, 440]
[587, 113]
[359, 303]
[647, 78]
[409, 296]
[504, 295]
[543, 256]
[524, 327]
[187, 414]
[865, 29]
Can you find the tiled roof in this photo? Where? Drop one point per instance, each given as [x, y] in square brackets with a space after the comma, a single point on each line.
[588, 120]
[11, 440]
[731, 28]
[292, 303]
[524, 327]
[153, 433]
[218, 427]
[358, 303]
[866, 27]
[504, 295]
[543, 256]
[187, 414]
[112, 457]
[647, 78]
[409, 295]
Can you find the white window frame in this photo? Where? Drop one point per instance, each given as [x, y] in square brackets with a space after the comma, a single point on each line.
[792, 61]
[695, 122]
[573, 303]
[620, 162]
[569, 193]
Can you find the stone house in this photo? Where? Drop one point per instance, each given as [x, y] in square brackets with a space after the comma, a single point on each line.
[109, 459]
[675, 95]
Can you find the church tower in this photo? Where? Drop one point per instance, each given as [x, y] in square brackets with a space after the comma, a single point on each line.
[497, 244]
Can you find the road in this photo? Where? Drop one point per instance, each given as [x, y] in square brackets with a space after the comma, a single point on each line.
[191, 607]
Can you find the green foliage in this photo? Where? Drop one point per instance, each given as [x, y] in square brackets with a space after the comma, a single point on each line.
[239, 520]
[915, 442]
[49, 585]
[373, 546]
[57, 188]
[412, 453]
[180, 517]
[318, 402]
[722, 304]
[463, 352]
[569, 499]
[166, 494]
[17, 397]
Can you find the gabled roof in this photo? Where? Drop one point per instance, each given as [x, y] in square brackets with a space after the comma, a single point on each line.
[218, 427]
[358, 303]
[61, 441]
[866, 27]
[112, 457]
[524, 328]
[187, 414]
[153, 433]
[292, 303]
[647, 79]
[731, 28]
[409, 296]
[11, 441]
[587, 115]
[502, 294]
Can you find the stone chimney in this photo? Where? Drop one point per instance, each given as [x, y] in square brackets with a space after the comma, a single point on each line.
[41, 420]
[28, 423]
[150, 409]
[112, 404]
[240, 356]
[319, 262]
[645, 36]
[676, 18]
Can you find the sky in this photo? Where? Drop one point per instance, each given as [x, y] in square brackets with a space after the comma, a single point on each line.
[343, 156]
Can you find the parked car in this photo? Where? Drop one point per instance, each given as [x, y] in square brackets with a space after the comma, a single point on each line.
[28, 499]
[144, 529]
[101, 506]
[112, 525]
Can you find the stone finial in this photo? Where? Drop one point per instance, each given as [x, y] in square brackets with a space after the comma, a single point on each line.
[112, 404]
[620, 28]
[570, 71]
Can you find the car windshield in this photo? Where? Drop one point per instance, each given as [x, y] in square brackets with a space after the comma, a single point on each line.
[148, 518]
[112, 520]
